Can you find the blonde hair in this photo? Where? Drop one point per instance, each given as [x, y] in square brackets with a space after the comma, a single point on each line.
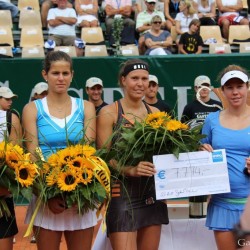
[190, 7]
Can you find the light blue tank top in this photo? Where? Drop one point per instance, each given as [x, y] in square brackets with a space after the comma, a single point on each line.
[53, 137]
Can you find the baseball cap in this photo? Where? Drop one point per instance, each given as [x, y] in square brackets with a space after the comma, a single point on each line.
[40, 88]
[151, 1]
[91, 82]
[6, 92]
[153, 78]
[199, 80]
[234, 74]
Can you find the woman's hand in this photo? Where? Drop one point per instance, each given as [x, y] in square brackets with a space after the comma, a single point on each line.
[206, 147]
[56, 205]
[144, 168]
[248, 165]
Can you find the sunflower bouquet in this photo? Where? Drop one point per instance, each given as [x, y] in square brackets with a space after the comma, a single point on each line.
[17, 173]
[77, 175]
[158, 134]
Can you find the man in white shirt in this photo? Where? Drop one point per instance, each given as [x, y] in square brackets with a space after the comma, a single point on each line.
[61, 23]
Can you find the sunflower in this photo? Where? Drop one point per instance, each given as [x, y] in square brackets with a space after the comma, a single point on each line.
[67, 181]
[53, 160]
[65, 155]
[51, 178]
[173, 125]
[2, 157]
[13, 159]
[86, 176]
[26, 174]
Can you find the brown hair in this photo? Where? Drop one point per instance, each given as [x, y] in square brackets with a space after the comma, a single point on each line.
[195, 22]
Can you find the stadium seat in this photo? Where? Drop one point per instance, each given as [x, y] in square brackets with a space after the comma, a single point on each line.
[219, 48]
[31, 36]
[92, 35]
[244, 48]
[95, 50]
[5, 18]
[6, 51]
[238, 34]
[130, 50]
[71, 50]
[33, 52]
[24, 4]
[6, 36]
[28, 17]
[209, 32]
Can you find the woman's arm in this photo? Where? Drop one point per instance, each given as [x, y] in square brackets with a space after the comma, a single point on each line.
[166, 12]
[89, 121]
[178, 27]
[16, 130]
[30, 128]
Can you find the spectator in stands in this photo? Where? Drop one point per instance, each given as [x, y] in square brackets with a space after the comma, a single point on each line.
[87, 11]
[151, 95]
[191, 42]
[206, 11]
[39, 91]
[196, 112]
[143, 22]
[6, 98]
[62, 22]
[7, 5]
[157, 41]
[184, 17]
[171, 8]
[229, 14]
[94, 91]
[122, 8]
[45, 6]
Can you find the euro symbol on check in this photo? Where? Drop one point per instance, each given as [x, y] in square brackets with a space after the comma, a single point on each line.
[161, 174]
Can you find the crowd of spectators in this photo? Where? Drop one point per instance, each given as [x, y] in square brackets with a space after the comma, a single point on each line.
[62, 18]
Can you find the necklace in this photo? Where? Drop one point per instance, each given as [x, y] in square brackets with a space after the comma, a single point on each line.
[61, 108]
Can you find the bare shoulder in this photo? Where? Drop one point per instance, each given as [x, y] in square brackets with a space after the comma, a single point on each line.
[30, 107]
[88, 104]
[108, 112]
[154, 109]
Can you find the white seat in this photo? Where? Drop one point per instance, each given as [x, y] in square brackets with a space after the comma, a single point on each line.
[92, 35]
[130, 50]
[71, 50]
[219, 48]
[95, 50]
[33, 52]
[244, 48]
[239, 32]
[213, 31]
[6, 35]
[31, 36]
[23, 4]
[6, 50]
[5, 18]
[28, 17]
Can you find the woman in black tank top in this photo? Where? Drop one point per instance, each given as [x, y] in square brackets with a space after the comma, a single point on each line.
[134, 216]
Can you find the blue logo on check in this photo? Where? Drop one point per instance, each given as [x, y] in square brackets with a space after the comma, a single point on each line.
[161, 174]
[217, 156]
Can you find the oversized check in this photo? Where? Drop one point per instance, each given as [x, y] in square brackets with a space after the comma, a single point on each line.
[195, 173]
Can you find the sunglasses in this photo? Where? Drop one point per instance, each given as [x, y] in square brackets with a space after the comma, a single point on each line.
[151, 3]
[157, 22]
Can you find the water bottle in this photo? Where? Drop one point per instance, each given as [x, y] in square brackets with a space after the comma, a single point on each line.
[198, 207]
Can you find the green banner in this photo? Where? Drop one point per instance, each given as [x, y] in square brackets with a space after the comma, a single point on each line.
[176, 74]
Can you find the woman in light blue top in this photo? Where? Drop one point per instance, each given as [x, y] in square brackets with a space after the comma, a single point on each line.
[230, 129]
[50, 123]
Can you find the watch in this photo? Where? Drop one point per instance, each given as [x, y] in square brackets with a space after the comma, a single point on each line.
[162, 42]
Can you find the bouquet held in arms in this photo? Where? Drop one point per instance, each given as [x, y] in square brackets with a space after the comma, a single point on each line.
[77, 175]
[158, 134]
[17, 173]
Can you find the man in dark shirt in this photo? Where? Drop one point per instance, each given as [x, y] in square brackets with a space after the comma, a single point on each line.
[151, 95]
[196, 112]
[94, 91]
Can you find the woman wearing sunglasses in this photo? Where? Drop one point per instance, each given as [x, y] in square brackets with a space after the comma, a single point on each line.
[158, 41]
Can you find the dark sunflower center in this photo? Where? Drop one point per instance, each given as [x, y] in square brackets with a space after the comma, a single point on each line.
[23, 174]
[14, 161]
[76, 164]
[69, 179]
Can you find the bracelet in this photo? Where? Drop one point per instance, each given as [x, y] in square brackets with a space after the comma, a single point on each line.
[162, 42]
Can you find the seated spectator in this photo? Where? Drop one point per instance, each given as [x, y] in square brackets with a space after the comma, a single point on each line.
[62, 22]
[87, 13]
[141, 6]
[122, 8]
[184, 17]
[143, 22]
[229, 14]
[171, 8]
[206, 11]
[45, 6]
[7, 5]
[191, 42]
[157, 41]
[39, 91]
